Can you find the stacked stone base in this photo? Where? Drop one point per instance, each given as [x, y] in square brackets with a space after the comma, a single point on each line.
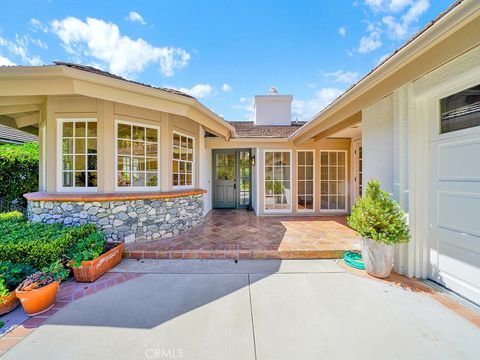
[129, 220]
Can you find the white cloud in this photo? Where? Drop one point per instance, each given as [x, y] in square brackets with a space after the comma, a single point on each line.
[387, 5]
[342, 31]
[341, 76]
[247, 105]
[400, 29]
[6, 62]
[103, 42]
[306, 109]
[243, 100]
[374, 5]
[226, 88]
[37, 25]
[20, 47]
[134, 16]
[371, 41]
[398, 5]
[199, 90]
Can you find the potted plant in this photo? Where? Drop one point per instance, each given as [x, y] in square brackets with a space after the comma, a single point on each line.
[38, 291]
[381, 223]
[10, 276]
[93, 256]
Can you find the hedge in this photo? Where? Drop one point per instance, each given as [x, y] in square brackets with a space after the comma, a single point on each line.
[18, 170]
[37, 244]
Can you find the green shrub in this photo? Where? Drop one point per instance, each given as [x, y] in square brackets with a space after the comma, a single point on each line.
[18, 170]
[11, 275]
[88, 248]
[37, 244]
[377, 216]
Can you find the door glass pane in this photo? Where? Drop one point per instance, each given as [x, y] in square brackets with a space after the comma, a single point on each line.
[460, 111]
[333, 180]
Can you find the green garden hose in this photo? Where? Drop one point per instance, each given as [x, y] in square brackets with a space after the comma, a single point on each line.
[354, 260]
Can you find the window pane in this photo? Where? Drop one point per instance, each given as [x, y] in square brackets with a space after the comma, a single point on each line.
[332, 158]
[341, 158]
[183, 142]
[277, 158]
[92, 146]
[286, 173]
[189, 155]
[68, 179]
[189, 180]
[269, 173]
[123, 163]
[67, 162]
[175, 166]
[67, 146]
[124, 147]
[176, 153]
[79, 162]
[92, 129]
[176, 140]
[80, 178]
[301, 158]
[138, 164]
[309, 158]
[138, 133]
[124, 131]
[138, 179]
[341, 202]
[92, 162]
[80, 129]
[80, 147]
[152, 165]
[175, 180]
[309, 187]
[124, 178]
[301, 187]
[309, 202]
[277, 188]
[286, 158]
[309, 173]
[190, 143]
[138, 148]
[461, 110]
[268, 159]
[68, 129]
[92, 179]
[152, 135]
[152, 179]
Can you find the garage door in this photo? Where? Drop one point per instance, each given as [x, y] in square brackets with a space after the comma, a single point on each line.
[455, 193]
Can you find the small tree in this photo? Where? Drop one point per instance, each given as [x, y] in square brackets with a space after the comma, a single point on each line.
[18, 170]
[377, 216]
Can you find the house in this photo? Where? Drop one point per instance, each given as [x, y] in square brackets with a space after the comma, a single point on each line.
[130, 157]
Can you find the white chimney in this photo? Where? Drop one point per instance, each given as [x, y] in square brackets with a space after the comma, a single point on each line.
[273, 109]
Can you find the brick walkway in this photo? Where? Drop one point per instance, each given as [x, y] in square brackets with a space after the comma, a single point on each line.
[242, 235]
[69, 291]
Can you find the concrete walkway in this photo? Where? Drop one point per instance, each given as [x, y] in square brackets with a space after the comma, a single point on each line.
[194, 309]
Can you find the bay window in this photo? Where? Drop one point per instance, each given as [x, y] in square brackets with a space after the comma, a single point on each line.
[183, 163]
[137, 156]
[77, 154]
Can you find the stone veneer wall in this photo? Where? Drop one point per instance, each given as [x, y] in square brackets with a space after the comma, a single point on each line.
[128, 220]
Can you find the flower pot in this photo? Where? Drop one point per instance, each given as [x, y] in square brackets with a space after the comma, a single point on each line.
[91, 270]
[377, 257]
[38, 300]
[8, 303]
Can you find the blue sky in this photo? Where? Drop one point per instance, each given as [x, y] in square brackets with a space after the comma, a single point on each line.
[222, 52]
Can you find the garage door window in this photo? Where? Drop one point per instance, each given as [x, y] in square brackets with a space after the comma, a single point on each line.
[460, 110]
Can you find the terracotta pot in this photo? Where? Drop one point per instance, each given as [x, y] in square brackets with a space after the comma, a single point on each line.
[91, 270]
[39, 300]
[8, 303]
[377, 257]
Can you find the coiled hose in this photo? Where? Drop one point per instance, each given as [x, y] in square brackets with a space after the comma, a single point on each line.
[354, 260]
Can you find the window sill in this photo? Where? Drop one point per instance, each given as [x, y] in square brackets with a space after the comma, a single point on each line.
[64, 197]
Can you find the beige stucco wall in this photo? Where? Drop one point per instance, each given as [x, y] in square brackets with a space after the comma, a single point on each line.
[106, 113]
[261, 145]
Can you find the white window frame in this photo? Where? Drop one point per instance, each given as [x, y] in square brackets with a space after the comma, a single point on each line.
[180, 187]
[136, 188]
[345, 209]
[71, 189]
[313, 180]
[264, 195]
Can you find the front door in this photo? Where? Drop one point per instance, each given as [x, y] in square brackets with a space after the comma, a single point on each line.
[231, 178]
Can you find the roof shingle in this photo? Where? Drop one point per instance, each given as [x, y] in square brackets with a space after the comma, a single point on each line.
[248, 129]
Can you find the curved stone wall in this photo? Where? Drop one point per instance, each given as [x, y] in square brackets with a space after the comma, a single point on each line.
[124, 220]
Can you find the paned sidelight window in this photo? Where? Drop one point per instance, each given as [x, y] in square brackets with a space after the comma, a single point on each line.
[333, 180]
[305, 180]
[183, 161]
[78, 141]
[137, 154]
[278, 193]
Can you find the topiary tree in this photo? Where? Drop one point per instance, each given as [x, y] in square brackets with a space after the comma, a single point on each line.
[377, 216]
[18, 170]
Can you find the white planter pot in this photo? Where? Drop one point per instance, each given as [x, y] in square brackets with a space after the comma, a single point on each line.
[377, 257]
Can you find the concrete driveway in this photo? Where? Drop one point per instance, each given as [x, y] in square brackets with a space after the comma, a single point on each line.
[195, 309]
